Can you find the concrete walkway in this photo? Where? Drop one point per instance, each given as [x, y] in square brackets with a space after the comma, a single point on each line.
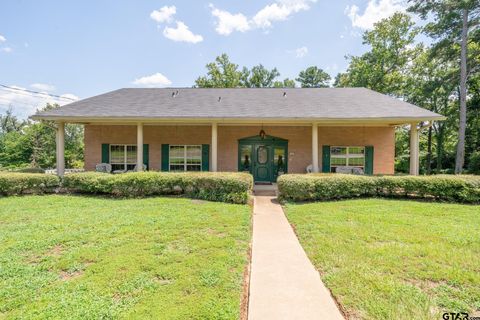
[283, 282]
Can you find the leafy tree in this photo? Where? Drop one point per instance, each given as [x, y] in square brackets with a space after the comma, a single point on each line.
[384, 67]
[33, 143]
[313, 77]
[225, 74]
[452, 23]
[221, 74]
[286, 83]
[259, 77]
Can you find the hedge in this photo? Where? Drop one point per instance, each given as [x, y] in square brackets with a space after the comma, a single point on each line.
[12, 183]
[213, 186]
[311, 187]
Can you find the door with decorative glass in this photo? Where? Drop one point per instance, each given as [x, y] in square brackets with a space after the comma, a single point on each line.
[265, 158]
[263, 164]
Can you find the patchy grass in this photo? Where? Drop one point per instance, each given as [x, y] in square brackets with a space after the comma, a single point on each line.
[72, 257]
[390, 259]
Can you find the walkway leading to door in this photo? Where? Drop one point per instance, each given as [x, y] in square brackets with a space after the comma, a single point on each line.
[283, 282]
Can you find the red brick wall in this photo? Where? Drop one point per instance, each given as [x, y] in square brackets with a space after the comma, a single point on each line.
[299, 142]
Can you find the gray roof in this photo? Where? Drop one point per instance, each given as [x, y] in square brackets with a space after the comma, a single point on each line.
[240, 103]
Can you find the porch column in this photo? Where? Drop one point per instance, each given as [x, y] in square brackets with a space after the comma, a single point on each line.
[315, 147]
[139, 147]
[60, 148]
[414, 150]
[214, 146]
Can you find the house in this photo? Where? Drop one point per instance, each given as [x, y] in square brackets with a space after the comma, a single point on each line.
[266, 131]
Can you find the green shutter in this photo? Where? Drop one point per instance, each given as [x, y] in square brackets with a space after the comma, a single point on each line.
[369, 159]
[145, 156]
[105, 153]
[165, 157]
[326, 159]
[205, 157]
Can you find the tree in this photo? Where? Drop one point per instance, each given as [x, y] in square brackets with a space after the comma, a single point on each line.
[286, 83]
[221, 74]
[33, 143]
[384, 67]
[313, 77]
[259, 77]
[452, 22]
[224, 74]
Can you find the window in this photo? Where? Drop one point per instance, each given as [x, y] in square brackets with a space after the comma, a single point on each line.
[123, 157]
[347, 156]
[245, 157]
[185, 158]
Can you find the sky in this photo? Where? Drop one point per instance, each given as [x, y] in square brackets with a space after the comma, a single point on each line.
[72, 50]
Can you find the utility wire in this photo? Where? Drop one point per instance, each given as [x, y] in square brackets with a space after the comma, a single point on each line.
[36, 92]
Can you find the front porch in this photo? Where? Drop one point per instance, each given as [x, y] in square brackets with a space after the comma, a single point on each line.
[285, 148]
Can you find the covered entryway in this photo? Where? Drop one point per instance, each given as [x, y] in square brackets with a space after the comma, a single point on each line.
[264, 157]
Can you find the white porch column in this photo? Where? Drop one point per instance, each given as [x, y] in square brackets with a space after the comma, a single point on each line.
[60, 149]
[414, 150]
[214, 146]
[139, 147]
[315, 148]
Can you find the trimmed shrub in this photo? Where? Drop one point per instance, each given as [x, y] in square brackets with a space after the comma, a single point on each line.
[27, 183]
[31, 170]
[213, 186]
[311, 187]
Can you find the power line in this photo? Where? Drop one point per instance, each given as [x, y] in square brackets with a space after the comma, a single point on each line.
[37, 92]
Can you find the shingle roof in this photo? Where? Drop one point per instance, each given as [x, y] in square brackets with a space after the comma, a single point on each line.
[241, 103]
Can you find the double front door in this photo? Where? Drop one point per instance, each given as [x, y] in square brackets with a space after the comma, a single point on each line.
[265, 158]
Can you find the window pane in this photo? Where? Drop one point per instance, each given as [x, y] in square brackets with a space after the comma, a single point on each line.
[357, 161]
[245, 157]
[117, 154]
[356, 150]
[279, 158]
[262, 155]
[193, 168]
[177, 167]
[116, 167]
[131, 154]
[334, 161]
[177, 152]
[338, 151]
[194, 155]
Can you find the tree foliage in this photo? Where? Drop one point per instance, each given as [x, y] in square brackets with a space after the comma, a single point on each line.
[32, 144]
[313, 77]
[427, 76]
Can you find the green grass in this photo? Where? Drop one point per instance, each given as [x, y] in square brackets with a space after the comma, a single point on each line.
[389, 259]
[73, 257]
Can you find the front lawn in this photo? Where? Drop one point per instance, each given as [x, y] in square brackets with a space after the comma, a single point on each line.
[390, 259]
[74, 257]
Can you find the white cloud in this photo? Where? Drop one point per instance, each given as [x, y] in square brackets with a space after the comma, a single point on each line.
[227, 22]
[165, 14]
[278, 11]
[155, 80]
[301, 52]
[181, 33]
[375, 11]
[2, 38]
[43, 86]
[25, 104]
[6, 49]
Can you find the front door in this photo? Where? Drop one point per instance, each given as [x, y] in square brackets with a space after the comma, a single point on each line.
[264, 157]
[263, 164]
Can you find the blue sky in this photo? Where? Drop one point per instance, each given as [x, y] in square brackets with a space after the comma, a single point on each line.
[82, 48]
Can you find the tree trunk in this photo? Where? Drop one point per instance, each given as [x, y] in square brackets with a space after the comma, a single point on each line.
[429, 151]
[460, 157]
[439, 147]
